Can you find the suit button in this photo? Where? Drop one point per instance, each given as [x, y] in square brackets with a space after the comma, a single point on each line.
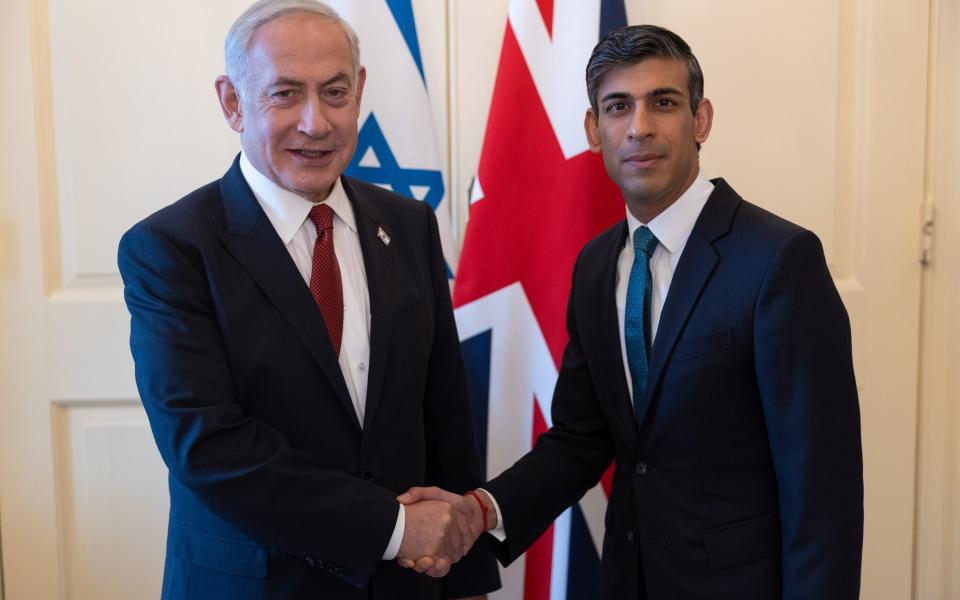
[640, 468]
[629, 536]
[366, 476]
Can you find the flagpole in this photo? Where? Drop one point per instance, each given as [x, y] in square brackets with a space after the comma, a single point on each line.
[453, 139]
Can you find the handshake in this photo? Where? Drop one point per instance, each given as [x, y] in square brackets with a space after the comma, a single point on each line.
[441, 527]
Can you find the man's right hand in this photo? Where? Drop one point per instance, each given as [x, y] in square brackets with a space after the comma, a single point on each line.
[432, 528]
[469, 519]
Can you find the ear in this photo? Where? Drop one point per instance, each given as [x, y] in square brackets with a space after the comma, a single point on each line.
[229, 103]
[703, 121]
[361, 79]
[591, 126]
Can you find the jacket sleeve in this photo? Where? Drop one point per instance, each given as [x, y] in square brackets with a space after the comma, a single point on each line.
[805, 376]
[566, 461]
[453, 462]
[242, 469]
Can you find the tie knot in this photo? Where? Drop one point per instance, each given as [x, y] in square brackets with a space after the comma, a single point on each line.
[644, 241]
[322, 217]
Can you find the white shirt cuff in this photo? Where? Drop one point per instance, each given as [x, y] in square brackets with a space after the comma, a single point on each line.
[393, 548]
[498, 532]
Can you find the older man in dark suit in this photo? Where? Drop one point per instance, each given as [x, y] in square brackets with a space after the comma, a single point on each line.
[295, 346]
[709, 354]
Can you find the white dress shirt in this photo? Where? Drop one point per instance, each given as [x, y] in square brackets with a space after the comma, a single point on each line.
[288, 213]
[672, 229]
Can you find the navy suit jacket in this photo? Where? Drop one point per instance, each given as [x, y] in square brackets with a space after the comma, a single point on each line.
[743, 478]
[276, 491]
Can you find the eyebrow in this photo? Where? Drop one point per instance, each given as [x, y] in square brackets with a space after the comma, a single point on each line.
[283, 81]
[615, 96]
[664, 91]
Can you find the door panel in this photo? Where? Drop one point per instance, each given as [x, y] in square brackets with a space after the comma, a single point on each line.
[112, 498]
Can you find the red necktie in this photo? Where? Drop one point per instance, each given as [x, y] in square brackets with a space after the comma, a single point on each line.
[325, 282]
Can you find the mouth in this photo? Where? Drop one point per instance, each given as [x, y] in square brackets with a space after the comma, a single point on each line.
[644, 160]
[310, 155]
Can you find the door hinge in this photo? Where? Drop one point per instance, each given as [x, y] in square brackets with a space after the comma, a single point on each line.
[929, 218]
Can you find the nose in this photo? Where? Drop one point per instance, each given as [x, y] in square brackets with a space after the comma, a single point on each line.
[641, 123]
[313, 118]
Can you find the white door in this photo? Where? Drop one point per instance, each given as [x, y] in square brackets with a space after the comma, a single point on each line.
[820, 117]
[107, 112]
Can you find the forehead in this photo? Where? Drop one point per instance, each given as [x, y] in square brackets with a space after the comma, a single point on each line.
[641, 78]
[300, 45]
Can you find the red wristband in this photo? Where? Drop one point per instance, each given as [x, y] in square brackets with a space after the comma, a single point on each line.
[483, 507]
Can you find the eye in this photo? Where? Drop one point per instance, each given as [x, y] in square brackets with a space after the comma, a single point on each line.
[282, 94]
[665, 102]
[616, 107]
[337, 94]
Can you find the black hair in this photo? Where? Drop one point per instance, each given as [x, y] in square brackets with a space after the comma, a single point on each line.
[635, 43]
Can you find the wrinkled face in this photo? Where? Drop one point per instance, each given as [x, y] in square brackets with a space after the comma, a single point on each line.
[298, 115]
[647, 133]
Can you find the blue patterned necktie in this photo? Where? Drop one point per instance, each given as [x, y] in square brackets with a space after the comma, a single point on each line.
[636, 326]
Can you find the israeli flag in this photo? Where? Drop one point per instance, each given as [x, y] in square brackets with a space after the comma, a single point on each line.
[397, 148]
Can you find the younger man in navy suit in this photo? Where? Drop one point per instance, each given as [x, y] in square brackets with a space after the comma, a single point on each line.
[709, 355]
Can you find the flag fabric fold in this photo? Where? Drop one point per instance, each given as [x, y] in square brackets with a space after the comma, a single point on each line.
[397, 147]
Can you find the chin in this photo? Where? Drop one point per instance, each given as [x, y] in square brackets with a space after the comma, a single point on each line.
[640, 189]
[313, 189]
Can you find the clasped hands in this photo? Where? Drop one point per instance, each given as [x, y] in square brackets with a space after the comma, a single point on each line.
[441, 527]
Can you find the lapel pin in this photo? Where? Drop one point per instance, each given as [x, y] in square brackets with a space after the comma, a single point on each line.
[383, 236]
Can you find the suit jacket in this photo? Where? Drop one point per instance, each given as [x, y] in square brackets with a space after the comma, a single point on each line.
[275, 489]
[743, 478]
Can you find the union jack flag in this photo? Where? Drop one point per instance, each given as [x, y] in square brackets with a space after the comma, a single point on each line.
[539, 196]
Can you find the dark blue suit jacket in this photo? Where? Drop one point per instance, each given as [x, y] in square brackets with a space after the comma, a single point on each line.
[743, 480]
[275, 489]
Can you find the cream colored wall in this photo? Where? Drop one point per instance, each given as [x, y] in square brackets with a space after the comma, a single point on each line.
[937, 559]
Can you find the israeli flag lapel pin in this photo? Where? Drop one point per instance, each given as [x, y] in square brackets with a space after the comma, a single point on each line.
[383, 236]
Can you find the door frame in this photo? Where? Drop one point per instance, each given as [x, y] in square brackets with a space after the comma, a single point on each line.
[937, 542]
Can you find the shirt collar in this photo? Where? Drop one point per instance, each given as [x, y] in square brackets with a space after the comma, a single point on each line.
[287, 211]
[673, 226]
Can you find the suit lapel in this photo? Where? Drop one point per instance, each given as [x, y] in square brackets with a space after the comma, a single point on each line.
[380, 264]
[252, 240]
[612, 356]
[691, 275]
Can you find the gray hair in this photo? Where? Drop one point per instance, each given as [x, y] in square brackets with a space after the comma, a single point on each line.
[633, 44]
[262, 12]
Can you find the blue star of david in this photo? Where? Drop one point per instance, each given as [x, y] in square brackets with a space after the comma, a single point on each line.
[390, 173]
